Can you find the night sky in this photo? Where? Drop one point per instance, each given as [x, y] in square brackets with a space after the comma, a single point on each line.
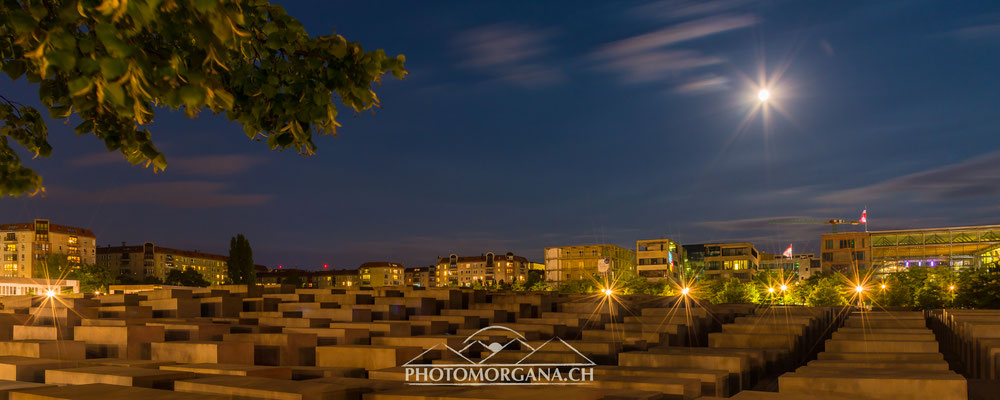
[523, 126]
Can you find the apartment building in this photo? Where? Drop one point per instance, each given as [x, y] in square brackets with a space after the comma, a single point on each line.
[381, 273]
[488, 268]
[570, 263]
[722, 260]
[657, 258]
[26, 246]
[149, 260]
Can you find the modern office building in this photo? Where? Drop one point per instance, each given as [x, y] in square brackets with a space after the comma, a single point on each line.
[11, 286]
[787, 267]
[28, 245]
[953, 247]
[149, 260]
[721, 260]
[843, 252]
[381, 273]
[488, 268]
[657, 258]
[571, 263]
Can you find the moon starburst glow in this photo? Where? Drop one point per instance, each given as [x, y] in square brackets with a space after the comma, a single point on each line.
[763, 95]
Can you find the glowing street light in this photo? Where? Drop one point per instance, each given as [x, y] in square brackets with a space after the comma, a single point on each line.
[50, 293]
[951, 288]
[608, 292]
[883, 286]
[770, 290]
[784, 288]
[685, 291]
[859, 289]
[763, 95]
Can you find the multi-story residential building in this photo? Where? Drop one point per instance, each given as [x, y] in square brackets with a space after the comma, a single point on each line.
[844, 252]
[786, 267]
[722, 260]
[657, 258]
[326, 278]
[570, 263]
[381, 273]
[26, 246]
[419, 276]
[952, 247]
[487, 268]
[149, 260]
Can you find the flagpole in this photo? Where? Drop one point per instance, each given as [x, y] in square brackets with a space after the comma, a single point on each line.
[866, 218]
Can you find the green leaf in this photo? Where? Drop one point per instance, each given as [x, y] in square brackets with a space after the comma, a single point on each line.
[112, 68]
[114, 94]
[22, 21]
[204, 6]
[79, 86]
[63, 59]
[108, 35]
[192, 96]
[84, 128]
[14, 68]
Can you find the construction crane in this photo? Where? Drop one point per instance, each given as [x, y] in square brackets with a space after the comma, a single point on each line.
[815, 221]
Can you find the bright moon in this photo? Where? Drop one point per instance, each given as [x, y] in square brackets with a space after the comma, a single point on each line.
[763, 95]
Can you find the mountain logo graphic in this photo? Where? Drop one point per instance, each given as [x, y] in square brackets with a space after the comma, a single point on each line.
[528, 366]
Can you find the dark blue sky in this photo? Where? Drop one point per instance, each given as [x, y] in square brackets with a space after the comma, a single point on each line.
[529, 125]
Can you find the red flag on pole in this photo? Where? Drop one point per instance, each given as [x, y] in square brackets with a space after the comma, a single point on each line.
[788, 252]
[864, 216]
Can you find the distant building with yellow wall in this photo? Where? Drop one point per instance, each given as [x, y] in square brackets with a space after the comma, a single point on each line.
[843, 252]
[722, 260]
[149, 260]
[572, 263]
[26, 246]
[657, 258]
[488, 269]
[381, 273]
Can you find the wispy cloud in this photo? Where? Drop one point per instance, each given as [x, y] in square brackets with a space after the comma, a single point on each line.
[214, 165]
[678, 33]
[988, 30]
[976, 177]
[509, 53]
[181, 194]
[704, 83]
[650, 56]
[210, 165]
[671, 9]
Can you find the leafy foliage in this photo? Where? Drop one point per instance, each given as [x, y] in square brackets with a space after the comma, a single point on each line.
[108, 65]
[827, 291]
[56, 266]
[95, 278]
[187, 277]
[240, 266]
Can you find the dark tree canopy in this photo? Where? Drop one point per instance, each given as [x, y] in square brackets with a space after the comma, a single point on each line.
[240, 266]
[187, 277]
[106, 66]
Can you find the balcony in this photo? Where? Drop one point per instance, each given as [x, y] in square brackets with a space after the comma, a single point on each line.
[10, 237]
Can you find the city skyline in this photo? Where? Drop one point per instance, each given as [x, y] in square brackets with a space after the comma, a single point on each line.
[520, 129]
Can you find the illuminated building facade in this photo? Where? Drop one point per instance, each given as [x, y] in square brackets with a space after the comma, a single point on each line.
[16, 286]
[954, 247]
[657, 258]
[722, 260]
[843, 252]
[26, 246]
[798, 266]
[488, 268]
[419, 276]
[572, 263]
[381, 273]
[149, 260]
